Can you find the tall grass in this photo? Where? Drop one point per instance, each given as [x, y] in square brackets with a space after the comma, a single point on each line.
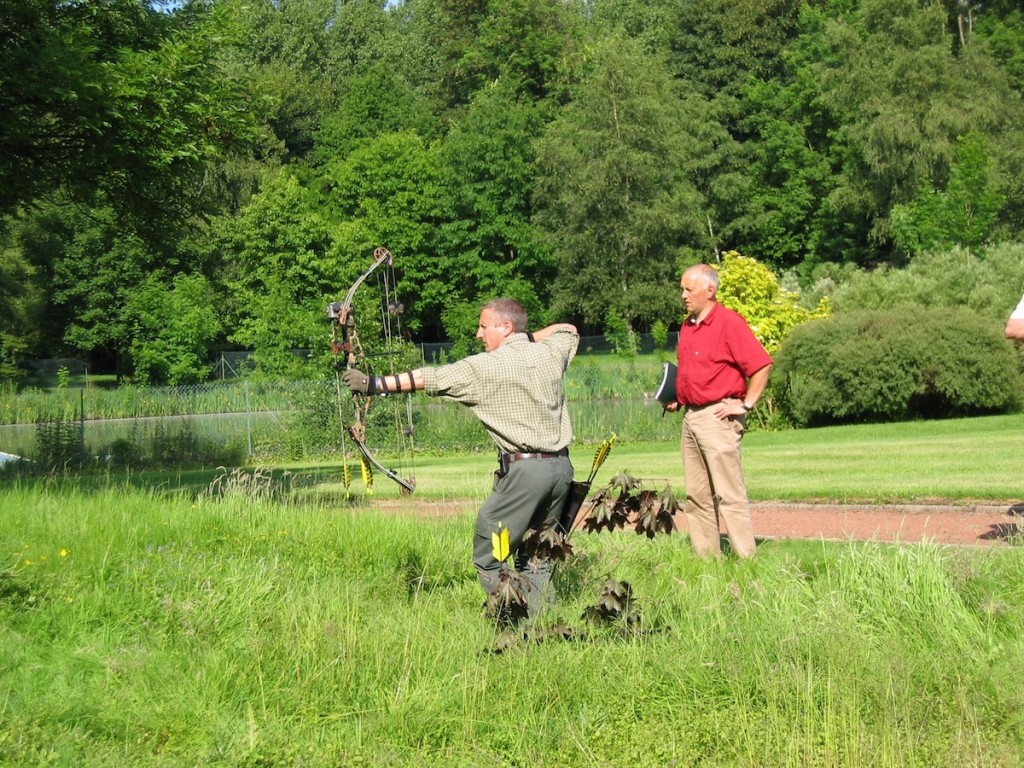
[956, 461]
[258, 627]
[285, 421]
[592, 378]
[128, 401]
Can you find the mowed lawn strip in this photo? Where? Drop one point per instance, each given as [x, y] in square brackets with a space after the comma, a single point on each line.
[956, 461]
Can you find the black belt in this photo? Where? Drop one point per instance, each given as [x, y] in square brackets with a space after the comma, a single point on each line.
[510, 457]
[505, 459]
[520, 456]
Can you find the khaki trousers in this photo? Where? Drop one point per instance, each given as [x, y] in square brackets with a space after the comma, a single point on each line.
[715, 489]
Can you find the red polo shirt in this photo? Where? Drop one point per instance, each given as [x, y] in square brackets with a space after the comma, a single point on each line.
[716, 357]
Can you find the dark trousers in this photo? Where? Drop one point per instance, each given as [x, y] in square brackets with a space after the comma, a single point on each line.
[532, 493]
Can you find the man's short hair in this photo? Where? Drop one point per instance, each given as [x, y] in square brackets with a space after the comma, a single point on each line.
[707, 273]
[510, 310]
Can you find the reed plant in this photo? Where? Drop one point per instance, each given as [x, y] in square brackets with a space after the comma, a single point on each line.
[590, 379]
[272, 422]
[128, 401]
[258, 626]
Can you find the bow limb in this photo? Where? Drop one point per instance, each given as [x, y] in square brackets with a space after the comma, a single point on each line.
[357, 431]
[344, 318]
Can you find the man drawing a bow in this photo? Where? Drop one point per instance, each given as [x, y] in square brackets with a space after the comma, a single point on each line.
[516, 388]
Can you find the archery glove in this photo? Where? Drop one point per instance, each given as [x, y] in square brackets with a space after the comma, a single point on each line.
[359, 382]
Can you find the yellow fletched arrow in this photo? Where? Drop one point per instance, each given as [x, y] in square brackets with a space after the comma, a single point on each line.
[602, 453]
[500, 544]
[367, 471]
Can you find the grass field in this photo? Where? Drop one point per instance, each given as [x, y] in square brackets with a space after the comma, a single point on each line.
[260, 618]
[957, 461]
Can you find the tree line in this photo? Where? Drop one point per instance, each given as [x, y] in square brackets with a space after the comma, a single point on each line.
[178, 178]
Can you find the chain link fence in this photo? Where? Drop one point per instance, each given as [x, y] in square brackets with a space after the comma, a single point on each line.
[235, 422]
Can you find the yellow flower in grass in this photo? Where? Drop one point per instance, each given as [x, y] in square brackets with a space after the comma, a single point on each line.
[64, 552]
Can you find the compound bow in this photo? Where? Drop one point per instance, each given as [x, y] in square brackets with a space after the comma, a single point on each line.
[345, 340]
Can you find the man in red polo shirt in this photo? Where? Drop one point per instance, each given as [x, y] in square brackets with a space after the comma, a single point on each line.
[722, 371]
[1015, 325]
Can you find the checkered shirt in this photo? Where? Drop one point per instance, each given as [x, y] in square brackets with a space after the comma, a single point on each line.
[517, 390]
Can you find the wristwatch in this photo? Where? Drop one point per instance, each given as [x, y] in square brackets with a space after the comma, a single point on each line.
[745, 407]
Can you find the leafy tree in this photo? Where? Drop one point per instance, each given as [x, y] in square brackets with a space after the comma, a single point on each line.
[29, 317]
[464, 45]
[902, 99]
[276, 274]
[988, 282]
[970, 20]
[94, 282]
[720, 44]
[1000, 33]
[791, 170]
[719, 169]
[286, 61]
[83, 268]
[961, 214]
[575, 156]
[365, 35]
[710, 157]
[659, 335]
[173, 330]
[115, 104]
[488, 238]
[619, 334]
[653, 25]
[612, 194]
[373, 102]
[871, 105]
[1003, 36]
[388, 192]
[440, 32]
[525, 42]
[16, 331]
[56, 77]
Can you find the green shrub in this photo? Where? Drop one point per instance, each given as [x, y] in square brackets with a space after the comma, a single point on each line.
[988, 284]
[753, 290]
[659, 336]
[889, 366]
[59, 444]
[124, 453]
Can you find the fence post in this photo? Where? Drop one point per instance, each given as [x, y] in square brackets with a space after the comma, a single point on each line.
[83, 456]
[248, 422]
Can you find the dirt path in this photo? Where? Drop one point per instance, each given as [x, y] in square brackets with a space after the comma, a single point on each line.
[981, 525]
